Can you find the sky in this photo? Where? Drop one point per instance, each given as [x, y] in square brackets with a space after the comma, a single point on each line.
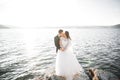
[53, 13]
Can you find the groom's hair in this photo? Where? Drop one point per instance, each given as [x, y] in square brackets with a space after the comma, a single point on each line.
[60, 31]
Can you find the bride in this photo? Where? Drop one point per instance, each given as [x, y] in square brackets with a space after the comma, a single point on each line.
[67, 64]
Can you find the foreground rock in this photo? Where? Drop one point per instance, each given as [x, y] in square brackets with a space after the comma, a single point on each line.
[104, 75]
[76, 77]
[101, 74]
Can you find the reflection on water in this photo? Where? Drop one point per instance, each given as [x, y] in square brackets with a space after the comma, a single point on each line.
[26, 53]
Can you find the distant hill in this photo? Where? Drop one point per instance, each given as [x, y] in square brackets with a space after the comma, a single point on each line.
[90, 27]
[3, 27]
[117, 26]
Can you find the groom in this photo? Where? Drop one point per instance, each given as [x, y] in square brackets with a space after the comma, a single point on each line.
[57, 40]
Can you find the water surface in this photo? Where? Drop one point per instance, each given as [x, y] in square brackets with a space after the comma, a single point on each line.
[27, 53]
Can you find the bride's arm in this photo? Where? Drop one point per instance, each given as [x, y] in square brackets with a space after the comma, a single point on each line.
[60, 42]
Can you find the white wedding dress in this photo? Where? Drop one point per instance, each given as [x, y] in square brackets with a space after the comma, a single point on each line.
[67, 64]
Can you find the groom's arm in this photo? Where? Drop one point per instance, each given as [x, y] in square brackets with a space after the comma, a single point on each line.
[56, 41]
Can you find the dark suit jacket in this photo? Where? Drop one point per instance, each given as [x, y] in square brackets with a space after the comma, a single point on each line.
[56, 41]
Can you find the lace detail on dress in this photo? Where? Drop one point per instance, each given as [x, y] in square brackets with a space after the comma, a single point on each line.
[65, 42]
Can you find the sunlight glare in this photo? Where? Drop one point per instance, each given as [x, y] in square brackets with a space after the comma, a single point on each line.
[29, 37]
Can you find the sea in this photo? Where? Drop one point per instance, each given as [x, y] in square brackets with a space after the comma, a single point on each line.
[27, 53]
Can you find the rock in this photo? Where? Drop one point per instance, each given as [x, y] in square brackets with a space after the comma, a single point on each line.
[55, 77]
[81, 76]
[50, 75]
[101, 74]
[96, 74]
[104, 75]
[76, 77]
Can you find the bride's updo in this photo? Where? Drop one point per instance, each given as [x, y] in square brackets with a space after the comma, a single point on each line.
[67, 35]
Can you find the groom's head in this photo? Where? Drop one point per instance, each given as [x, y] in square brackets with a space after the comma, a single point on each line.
[60, 32]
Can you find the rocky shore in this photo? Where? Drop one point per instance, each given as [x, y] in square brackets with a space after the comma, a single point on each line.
[90, 74]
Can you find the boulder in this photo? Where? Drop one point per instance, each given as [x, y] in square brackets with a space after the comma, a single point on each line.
[105, 75]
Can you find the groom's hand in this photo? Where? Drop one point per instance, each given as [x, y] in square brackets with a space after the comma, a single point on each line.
[62, 49]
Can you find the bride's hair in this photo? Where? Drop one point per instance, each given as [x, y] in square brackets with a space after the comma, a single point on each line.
[67, 35]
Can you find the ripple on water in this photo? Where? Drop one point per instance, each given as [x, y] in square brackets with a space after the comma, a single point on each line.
[98, 48]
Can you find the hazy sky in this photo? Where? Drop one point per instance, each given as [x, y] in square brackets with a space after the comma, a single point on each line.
[40, 13]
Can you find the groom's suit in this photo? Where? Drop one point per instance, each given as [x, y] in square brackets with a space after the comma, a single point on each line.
[56, 41]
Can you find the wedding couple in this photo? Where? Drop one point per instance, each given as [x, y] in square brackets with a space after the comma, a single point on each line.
[67, 64]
